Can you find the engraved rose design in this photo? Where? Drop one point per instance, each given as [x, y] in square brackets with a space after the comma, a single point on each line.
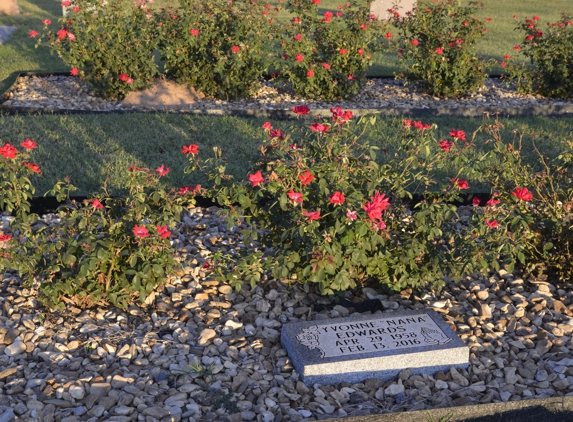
[434, 336]
[309, 337]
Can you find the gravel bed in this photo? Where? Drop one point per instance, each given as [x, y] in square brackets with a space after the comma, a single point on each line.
[66, 92]
[203, 352]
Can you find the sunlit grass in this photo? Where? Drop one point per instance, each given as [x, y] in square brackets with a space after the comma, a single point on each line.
[97, 149]
[19, 54]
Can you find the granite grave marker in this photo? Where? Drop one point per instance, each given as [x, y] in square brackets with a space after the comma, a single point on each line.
[376, 346]
[379, 8]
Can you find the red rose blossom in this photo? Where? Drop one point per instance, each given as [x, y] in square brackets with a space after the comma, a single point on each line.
[460, 134]
[74, 71]
[33, 34]
[5, 237]
[315, 215]
[319, 127]
[415, 42]
[235, 49]
[461, 183]
[326, 65]
[476, 201]
[492, 202]
[62, 33]
[194, 32]
[309, 73]
[340, 116]
[299, 57]
[522, 194]
[123, 77]
[34, 167]
[190, 149]
[267, 126]
[97, 204]
[140, 231]
[295, 196]
[28, 144]
[422, 126]
[276, 133]
[306, 177]
[162, 170]
[446, 145]
[163, 231]
[8, 151]
[301, 110]
[492, 223]
[47, 22]
[256, 178]
[337, 198]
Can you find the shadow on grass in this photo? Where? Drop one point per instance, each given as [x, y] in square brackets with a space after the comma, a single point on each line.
[528, 414]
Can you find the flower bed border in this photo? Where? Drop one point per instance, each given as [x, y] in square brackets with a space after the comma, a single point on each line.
[541, 111]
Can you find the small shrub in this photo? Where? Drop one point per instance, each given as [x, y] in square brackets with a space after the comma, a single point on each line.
[217, 46]
[326, 56]
[550, 50]
[335, 217]
[109, 45]
[104, 250]
[438, 47]
[531, 211]
[16, 192]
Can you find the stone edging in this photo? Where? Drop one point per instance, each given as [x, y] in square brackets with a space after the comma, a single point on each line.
[463, 413]
[532, 111]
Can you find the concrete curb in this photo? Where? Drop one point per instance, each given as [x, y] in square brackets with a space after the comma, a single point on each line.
[547, 111]
[524, 410]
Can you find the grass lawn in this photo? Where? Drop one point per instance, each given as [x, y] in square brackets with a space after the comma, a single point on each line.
[93, 149]
[19, 54]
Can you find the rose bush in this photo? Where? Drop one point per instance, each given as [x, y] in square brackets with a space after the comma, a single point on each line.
[219, 47]
[550, 50]
[104, 250]
[326, 56]
[529, 219]
[16, 192]
[107, 45]
[437, 47]
[335, 216]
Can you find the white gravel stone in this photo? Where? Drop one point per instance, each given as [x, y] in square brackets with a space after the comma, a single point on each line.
[127, 362]
[66, 92]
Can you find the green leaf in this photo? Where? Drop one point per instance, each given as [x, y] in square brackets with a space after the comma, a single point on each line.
[158, 269]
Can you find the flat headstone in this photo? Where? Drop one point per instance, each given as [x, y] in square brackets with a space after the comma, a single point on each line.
[5, 32]
[9, 7]
[380, 7]
[377, 346]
